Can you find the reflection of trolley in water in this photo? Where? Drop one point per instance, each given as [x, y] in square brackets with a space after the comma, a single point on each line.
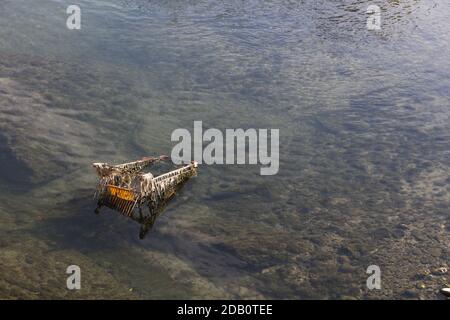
[125, 187]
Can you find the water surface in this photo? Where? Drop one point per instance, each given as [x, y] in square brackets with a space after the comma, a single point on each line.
[364, 155]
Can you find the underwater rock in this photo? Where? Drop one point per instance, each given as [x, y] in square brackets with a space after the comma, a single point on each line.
[411, 294]
[435, 252]
[440, 271]
[421, 286]
[381, 233]
[346, 268]
[398, 233]
[445, 292]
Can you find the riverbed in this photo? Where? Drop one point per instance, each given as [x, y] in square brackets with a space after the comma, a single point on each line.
[364, 172]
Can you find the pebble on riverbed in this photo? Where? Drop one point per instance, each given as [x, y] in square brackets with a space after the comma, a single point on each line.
[445, 292]
[440, 271]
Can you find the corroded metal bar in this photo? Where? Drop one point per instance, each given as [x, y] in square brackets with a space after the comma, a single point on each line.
[105, 169]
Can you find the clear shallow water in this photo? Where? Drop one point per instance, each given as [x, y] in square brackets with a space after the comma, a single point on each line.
[364, 168]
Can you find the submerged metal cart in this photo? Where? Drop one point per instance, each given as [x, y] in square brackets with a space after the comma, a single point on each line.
[127, 188]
